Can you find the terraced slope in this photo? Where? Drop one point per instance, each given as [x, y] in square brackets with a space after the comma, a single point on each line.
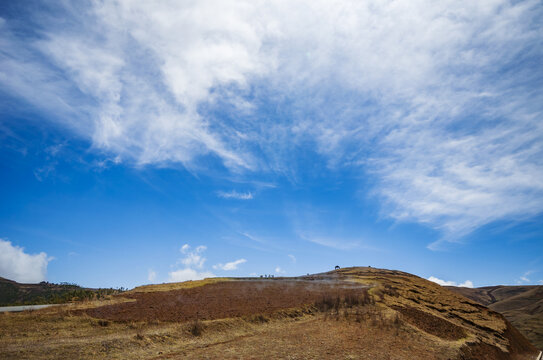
[440, 312]
[521, 305]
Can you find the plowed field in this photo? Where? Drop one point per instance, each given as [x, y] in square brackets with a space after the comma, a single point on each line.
[225, 299]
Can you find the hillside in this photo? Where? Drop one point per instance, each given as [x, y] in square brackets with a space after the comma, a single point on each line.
[14, 293]
[521, 305]
[355, 313]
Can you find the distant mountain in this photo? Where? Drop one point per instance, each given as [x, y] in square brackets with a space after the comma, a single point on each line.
[14, 293]
[521, 305]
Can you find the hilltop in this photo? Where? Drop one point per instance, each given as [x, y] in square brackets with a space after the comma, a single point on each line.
[521, 305]
[359, 313]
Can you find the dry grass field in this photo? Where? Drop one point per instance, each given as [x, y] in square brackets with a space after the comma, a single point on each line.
[355, 313]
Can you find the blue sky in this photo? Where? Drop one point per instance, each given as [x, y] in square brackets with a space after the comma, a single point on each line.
[145, 142]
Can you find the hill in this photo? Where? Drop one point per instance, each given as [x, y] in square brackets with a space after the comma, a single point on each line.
[14, 293]
[355, 313]
[521, 305]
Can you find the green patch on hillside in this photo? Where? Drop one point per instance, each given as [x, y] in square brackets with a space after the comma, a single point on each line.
[13, 293]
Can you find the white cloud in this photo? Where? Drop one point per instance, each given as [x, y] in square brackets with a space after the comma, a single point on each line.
[235, 195]
[192, 259]
[467, 283]
[278, 270]
[188, 274]
[412, 93]
[19, 266]
[151, 275]
[461, 183]
[292, 258]
[540, 282]
[233, 265]
[184, 248]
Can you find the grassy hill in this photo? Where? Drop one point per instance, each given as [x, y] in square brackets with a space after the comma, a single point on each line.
[521, 305]
[14, 293]
[353, 313]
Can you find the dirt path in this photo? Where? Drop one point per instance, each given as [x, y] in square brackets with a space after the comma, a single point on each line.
[25, 307]
[491, 297]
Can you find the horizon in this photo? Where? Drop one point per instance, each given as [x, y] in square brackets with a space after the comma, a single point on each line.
[144, 143]
[278, 277]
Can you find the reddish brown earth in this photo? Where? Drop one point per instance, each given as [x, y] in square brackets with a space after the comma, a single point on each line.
[225, 299]
[431, 324]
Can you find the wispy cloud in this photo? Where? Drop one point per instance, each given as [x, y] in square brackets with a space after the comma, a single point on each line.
[51, 162]
[151, 275]
[466, 283]
[524, 278]
[233, 265]
[260, 243]
[254, 238]
[235, 195]
[439, 102]
[460, 183]
[307, 222]
[334, 243]
[292, 258]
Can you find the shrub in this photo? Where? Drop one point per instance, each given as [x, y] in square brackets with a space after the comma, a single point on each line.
[196, 328]
[103, 323]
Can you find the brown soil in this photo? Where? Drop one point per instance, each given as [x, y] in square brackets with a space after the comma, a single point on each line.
[315, 338]
[432, 324]
[482, 351]
[225, 300]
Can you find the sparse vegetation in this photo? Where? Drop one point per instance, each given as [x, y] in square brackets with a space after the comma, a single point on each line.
[178, 285]
[349, 300]
[360, 308]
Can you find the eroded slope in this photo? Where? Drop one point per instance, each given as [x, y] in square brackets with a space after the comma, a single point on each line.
[521, 305]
